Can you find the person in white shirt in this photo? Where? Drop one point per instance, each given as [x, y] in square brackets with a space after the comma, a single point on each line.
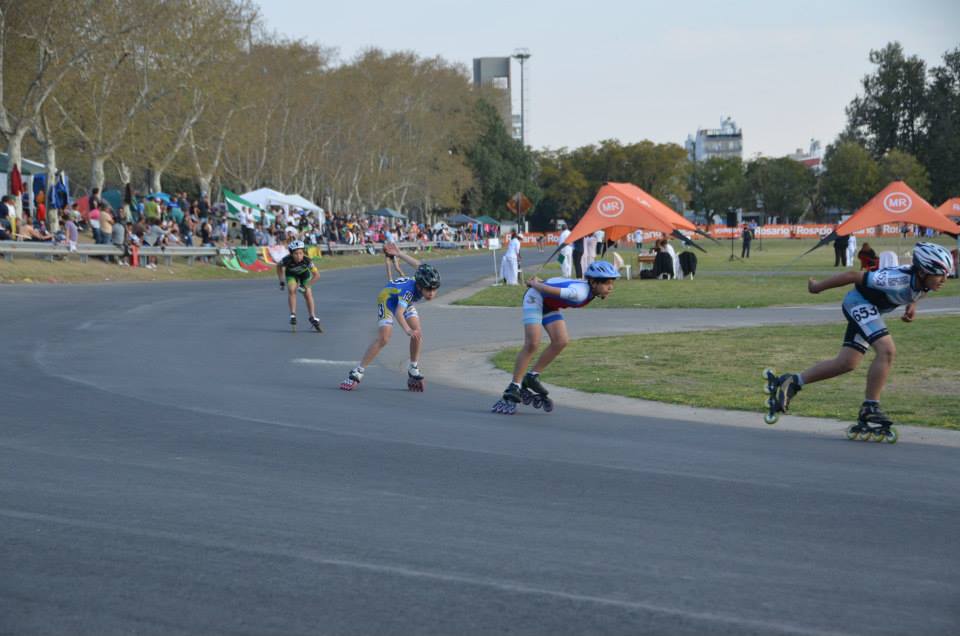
[566, 254]
[676, 260]
[638, 240]
[852, 250]
[510, 263]
[589, 251]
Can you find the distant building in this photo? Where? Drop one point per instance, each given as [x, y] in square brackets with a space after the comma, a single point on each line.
[726, 141]
[813, 158]
[495, 72]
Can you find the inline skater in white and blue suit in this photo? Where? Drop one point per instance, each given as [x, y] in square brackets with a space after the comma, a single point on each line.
[541, 306]
[874, 295]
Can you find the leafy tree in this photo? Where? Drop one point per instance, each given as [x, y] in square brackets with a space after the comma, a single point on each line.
[941, 149]
[566, 191]
[890, 113]
[898, 165]
[501, 165]
[719, 185]
[783, 186]
[851, 176]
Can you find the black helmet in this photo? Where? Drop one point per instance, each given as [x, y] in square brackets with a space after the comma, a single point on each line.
[427, 276]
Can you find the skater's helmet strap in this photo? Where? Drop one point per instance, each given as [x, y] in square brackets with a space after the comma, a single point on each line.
[602, 270]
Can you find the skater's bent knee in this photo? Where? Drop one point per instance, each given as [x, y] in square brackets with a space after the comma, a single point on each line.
[560, 342]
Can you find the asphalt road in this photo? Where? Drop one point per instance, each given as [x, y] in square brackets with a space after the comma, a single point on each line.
[174, 460]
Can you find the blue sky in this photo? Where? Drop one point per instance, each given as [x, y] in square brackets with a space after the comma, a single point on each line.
[650, 70]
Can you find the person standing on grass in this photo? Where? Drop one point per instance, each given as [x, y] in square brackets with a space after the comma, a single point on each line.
[747, 237]
[510, 263]
[874, 294]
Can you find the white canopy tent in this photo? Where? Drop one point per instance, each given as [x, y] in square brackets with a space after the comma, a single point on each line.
[265, 197]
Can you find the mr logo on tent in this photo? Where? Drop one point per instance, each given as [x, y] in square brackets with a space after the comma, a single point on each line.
[610, 206]
[897, 202]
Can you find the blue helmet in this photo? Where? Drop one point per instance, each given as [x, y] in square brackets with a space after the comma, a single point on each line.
[602, 270]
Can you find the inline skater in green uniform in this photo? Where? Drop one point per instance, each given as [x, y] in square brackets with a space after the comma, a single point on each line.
[297, 272]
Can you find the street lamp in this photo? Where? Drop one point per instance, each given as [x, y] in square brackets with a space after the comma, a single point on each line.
[521, 55]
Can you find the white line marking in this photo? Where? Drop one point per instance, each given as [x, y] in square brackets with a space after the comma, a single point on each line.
[504, 585]
[321, 361]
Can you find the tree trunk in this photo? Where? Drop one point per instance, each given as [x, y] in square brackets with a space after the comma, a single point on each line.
[97, 177]
[15, 158]
[50, 159]
[155, 175]
[205, 182]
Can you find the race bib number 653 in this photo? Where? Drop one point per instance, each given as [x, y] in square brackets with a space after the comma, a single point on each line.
[864, 313]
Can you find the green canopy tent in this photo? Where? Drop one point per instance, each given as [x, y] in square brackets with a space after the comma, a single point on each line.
[235, 203]
[488, 220]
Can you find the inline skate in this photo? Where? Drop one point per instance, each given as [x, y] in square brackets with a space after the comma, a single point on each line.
[293, 322]
[353, 379]
[532, 392]
[315, 323]
[507, 404]
[780, 390]
[872, 425]
[414, 379]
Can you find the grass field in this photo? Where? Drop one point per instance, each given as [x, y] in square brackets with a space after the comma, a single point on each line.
[773, 276]
[722, 369]
[27, 269]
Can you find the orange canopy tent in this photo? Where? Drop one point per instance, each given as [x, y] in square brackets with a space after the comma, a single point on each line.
[897, 203]
[620, 208]
[950, 207]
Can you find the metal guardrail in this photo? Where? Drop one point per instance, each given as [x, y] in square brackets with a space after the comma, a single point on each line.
[49, 251]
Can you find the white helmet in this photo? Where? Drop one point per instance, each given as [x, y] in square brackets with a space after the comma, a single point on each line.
[295, 245]
[932, 259]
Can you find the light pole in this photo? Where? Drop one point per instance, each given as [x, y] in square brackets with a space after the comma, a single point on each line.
[521, 55]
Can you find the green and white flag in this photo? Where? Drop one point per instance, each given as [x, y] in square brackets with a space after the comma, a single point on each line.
[236, 203]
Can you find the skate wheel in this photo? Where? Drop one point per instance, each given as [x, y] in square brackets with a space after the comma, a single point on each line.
[537, 402]
[771, 418]
[512, 408]
[347, 386]
[768, 389]
[547, 405]
[495, 408]
[852, 432]
[877, 436]
[892, 436]
[863, 436]
[768, 374]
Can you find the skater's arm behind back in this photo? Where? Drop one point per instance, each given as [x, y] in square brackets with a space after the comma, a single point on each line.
[837, 280]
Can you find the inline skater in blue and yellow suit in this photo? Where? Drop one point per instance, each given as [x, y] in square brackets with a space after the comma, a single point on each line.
[396, 303]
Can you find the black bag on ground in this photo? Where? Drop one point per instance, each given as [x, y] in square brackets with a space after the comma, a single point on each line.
[688, 262]
[663, 265]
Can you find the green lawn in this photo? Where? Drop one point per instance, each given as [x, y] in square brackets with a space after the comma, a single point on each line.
[722, 369]
[773, 276]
